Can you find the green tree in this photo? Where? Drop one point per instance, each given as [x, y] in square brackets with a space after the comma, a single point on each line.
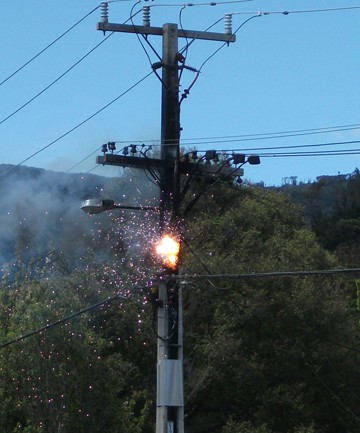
[275, 353]
[82, 374]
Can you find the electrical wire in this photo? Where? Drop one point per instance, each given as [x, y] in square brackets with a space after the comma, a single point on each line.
[267, 274]
[226, 43]
[187, 45]
[148, 42]
[252, 137]
[258, 136]
[189, 179]
[342, 406]
[255, 15]
[55, 81]
[201, 193]
[337, 9]
[269, 135]
[77, 126]
[60, 76]
[264, 154]
[197, 257]
[192, 4]
[309, 154]
[297, 146]
[84, 159]
[48, 46]
[341, 378]
[185, 49]
[60, 321]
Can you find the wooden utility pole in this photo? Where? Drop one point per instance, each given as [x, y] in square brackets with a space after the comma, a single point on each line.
[170, 394]
[170, 121]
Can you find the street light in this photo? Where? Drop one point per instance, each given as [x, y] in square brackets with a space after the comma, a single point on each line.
[94, 206]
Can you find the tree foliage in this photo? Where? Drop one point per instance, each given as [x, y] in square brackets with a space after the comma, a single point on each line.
[270, 355]
[332, 206]
[262, 355]
[88, 373]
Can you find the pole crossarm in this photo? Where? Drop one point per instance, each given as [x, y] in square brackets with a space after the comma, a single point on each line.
[158, 31]
[184, 167]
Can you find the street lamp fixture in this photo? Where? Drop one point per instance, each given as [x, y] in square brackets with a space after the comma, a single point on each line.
[94, 206]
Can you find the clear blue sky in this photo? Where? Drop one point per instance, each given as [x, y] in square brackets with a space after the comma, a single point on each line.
[285, 73]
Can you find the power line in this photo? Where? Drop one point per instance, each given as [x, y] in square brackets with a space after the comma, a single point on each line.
[256, 136]
[297, 146]
[56, 80]
[260, 275]
[77, 126]
[262, 154]
[226, 43]
[308, 154]
[84, 159]
[48, 46]
[303, 11]
[63, 74]
[60, 321]
[193, 4]
[271, 135]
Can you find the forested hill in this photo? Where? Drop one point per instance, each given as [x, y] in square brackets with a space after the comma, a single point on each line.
[332, 208]
[264, 352]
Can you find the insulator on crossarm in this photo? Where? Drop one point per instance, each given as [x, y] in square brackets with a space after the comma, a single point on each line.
[146, 16]
[228, 24]
[104, 12]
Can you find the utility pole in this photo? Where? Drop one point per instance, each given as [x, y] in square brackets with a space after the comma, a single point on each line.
[170, 394]
[170, 122]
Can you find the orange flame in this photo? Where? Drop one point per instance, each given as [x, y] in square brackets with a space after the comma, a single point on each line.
[168, 249]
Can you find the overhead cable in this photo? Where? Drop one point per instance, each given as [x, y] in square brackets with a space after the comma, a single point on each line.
[259, 275]
[60, 321]
[271, 135]
[302, 11]
[62, 75]
[48, 46]
[56, 80]
[193, 4]
[77, 126]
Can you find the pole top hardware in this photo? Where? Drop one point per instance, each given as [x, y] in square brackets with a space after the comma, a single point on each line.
[159, 31]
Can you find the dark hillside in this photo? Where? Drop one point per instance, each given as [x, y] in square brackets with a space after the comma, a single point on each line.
[332, 208]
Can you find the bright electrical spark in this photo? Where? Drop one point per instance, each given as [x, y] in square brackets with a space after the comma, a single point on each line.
[168, 249]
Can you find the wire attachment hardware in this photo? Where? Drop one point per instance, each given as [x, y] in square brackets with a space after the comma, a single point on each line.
[228, 24]
[146, 16]
[104, 12]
